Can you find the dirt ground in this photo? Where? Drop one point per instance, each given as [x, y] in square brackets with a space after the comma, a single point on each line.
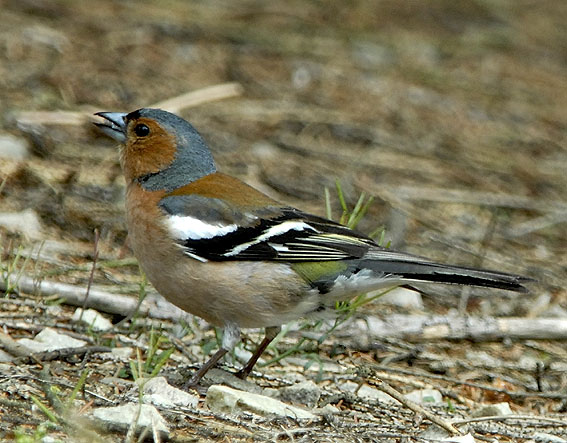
[450, 114]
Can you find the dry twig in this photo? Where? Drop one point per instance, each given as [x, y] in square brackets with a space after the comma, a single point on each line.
[222, 91]
[60, 354]
[153, 305]
[370, 377]
[511, 394]
[439, 327]
[478, 198]
[535, 418]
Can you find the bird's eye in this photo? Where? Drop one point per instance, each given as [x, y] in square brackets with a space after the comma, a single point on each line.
[141, 130]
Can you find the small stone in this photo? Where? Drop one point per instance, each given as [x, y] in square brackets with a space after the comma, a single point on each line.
[403, 297]
[41, 35]
[441, 366]
[92, 319]
[160, 393]
[26, 222]
[468, 438]
[5, 357]
[217, 376]
[328, 410]
[122, 416]
[539, 304]
[225, 400]
[49, 340]
[264, 150]
[483, 358]
[367, 392]
[370, 55]
[301, 77]
[121, 383]
[305, 393]
[421, 53]
[15, 148]
[122, 353]
[425, 396]
[293, 377]
[528, 363]
[309, 366]
[242, 355]
[548, 438]
[554, 311]
[434, 433]
[494, 409]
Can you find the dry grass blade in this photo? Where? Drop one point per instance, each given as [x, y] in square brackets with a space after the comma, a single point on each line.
[425, 193]
[176, 104]
[199, 97]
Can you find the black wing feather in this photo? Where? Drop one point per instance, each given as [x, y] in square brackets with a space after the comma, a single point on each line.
[321, 239]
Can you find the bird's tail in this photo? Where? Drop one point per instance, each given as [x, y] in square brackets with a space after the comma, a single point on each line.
[409, 268]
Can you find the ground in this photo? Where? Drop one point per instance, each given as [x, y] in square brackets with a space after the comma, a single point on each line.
[450, 114]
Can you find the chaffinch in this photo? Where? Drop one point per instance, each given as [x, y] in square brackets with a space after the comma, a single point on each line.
[223, 251]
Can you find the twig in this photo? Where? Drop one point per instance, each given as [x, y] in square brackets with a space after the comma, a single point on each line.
[61, 383]
[548, 395]
[60, 354]
[222, 91]
[91, 275]
[420, 328]
[153, 305]
[369, 376]
[12, 347]
[511, 417]
[443, 195]
[537, 224]
[101, 265]
[30, 119]
[200, 96]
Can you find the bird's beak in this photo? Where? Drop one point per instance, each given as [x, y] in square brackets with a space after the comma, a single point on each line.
[114, 126]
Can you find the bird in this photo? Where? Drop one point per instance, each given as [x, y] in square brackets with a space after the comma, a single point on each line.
[226, 252]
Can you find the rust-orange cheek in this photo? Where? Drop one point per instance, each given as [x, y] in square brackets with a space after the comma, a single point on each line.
[148, 155]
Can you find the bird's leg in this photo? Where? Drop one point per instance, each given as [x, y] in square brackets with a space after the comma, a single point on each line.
[268, 337]
[231, 336]
[211, 362]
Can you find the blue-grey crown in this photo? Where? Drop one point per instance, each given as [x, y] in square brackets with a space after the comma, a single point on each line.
[193, 158]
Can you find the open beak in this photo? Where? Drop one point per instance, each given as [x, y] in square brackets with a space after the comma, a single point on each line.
[114, 126]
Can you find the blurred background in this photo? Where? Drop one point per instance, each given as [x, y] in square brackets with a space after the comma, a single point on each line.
[451, 114]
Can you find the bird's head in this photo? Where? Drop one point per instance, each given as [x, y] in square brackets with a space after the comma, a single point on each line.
[160, 150]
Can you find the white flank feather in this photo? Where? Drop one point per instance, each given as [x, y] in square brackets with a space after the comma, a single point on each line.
[183, 227]
[363, 281]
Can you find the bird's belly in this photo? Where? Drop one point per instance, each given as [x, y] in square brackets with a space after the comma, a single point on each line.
[248, 294]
